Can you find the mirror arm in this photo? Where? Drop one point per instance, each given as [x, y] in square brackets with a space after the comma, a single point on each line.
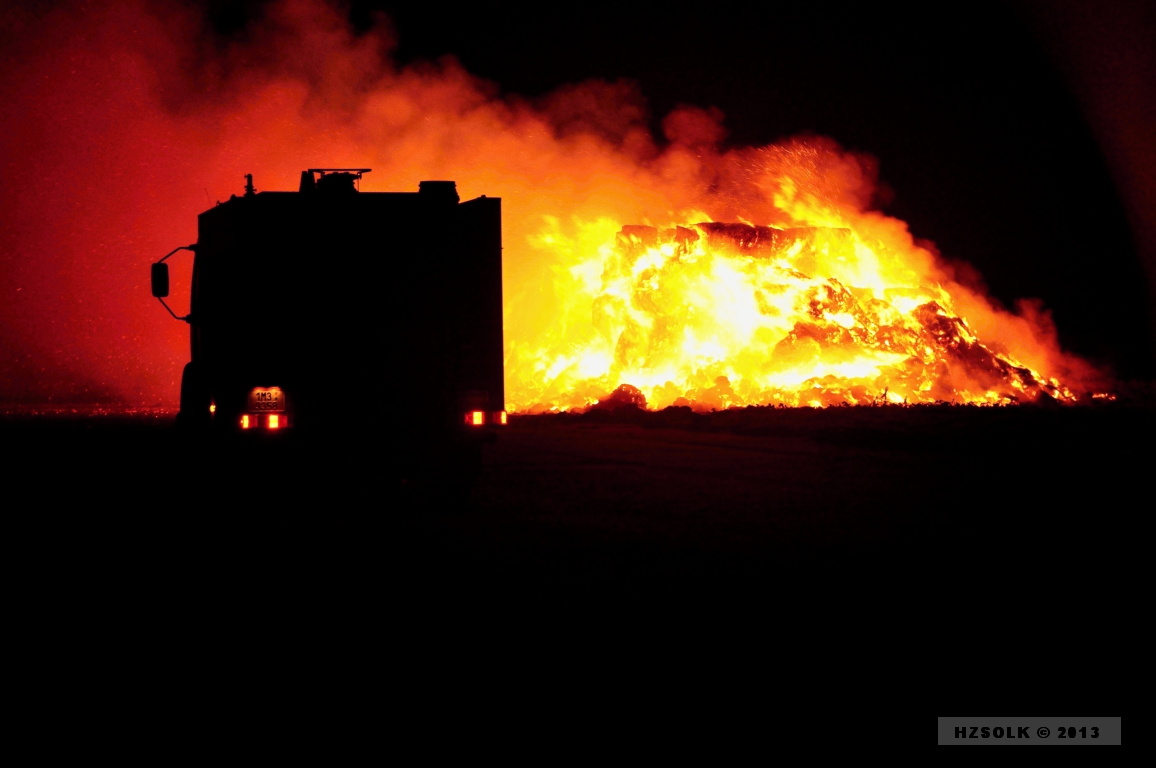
[187, 318]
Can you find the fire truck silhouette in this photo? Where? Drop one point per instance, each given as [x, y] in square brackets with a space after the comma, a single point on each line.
[334, 313]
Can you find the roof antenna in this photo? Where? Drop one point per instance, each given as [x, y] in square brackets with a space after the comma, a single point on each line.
[249, 191]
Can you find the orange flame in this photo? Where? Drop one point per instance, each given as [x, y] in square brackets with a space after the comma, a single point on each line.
[833, 306]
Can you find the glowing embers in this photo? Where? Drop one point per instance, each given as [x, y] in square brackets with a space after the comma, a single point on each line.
[718, 315]
[484, 418]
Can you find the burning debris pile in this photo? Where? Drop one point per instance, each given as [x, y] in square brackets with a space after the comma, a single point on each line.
[719, 315]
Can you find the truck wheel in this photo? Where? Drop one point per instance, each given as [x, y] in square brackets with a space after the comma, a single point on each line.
[194, 412]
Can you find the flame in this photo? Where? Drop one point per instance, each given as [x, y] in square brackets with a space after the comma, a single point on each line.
[832, 307]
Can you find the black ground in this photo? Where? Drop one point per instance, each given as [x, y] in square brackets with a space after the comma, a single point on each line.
[959, 552]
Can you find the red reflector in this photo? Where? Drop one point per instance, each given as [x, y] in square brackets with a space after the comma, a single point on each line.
[245, 421]
[274, 421]
[501, 417]
[476, 418]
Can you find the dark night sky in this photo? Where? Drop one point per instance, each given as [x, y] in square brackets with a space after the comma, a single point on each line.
[974, 114]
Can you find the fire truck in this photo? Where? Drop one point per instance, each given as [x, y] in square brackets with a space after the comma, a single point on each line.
[333, 314]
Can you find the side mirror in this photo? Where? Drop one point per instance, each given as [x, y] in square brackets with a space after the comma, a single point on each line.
[160, 280]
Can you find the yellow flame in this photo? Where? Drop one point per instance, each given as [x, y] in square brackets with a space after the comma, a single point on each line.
[831, 305]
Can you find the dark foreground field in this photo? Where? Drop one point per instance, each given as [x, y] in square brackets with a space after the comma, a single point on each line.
[959, 550]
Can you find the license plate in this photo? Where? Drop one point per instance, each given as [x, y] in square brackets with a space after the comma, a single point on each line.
[266, 400]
